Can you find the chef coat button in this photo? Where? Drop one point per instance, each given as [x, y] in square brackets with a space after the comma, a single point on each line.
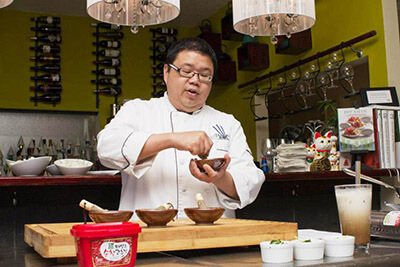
[183, 190]
[182, 161]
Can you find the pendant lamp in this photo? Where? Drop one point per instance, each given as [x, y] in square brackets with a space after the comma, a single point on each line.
[273, 17]
[4, 3]
[134, 13]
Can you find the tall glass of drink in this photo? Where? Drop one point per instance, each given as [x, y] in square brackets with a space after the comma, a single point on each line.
[354, 207]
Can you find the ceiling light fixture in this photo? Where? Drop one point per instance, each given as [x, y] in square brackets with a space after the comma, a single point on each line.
[134, 13]
[273, 17]
[4, 3]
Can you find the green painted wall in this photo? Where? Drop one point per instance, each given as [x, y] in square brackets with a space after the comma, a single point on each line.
[337, 20]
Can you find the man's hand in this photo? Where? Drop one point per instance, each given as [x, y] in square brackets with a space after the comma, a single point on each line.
[197, 142]
[221, 178]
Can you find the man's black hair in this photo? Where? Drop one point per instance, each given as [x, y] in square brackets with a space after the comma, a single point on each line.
[191, 44]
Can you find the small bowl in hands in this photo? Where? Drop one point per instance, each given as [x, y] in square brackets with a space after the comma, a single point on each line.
[53, 170]
[29, 167]
[156, 217]
[73, 166]
[204, 216]
[111, 216]
[339, 246]
[276, 253]
[215, 164]
[310, 250]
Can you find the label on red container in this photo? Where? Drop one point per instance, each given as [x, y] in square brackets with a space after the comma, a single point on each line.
[392, 218]
[111, 252]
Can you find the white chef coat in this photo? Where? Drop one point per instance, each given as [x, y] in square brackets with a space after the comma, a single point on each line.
[166, 176]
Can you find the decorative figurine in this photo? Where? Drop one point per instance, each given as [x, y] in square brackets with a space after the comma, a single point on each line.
[323, 147]
[310, 154]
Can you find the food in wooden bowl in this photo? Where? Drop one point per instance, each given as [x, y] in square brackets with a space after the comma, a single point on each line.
[111, 216]
[203, 214]
[215, 164]
[159, 216]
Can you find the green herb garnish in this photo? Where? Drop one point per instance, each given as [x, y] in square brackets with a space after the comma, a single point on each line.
[307, 240]
[277, 242]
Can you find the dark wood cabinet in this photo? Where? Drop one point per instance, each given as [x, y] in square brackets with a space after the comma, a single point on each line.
[253, 56]
[296, 44]
[227, 31]
[226, 72]
[213, 39]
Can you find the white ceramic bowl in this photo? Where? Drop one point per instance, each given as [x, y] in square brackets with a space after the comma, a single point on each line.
[339, 246]
[308, 251]
[29, 167]
[276, 253]
[53, 170]
[73, 166]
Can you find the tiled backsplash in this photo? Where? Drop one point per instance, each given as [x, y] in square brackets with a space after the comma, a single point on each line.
[53, 125]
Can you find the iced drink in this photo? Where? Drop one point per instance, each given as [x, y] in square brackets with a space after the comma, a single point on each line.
[354, 206]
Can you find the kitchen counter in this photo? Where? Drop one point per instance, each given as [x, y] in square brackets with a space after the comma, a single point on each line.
[381, 253]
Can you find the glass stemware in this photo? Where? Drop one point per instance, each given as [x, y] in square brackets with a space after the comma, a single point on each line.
[323, 83]
[330, 69]
[347, 72]
[303, 90]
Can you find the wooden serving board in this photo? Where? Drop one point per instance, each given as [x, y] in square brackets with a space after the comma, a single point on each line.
[54, 240]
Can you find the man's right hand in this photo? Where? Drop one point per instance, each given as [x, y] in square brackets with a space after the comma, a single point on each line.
[197, 142]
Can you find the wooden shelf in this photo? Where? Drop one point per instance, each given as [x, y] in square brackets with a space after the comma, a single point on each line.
[327, 175]
[60, 180]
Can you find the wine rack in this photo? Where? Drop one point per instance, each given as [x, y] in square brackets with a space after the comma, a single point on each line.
[161, 40]
[47, 78]
[107, 62]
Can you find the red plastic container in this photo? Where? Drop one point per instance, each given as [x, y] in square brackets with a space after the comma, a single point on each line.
[106, 244]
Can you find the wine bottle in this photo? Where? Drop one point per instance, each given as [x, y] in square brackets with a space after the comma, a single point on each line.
[165, 39]
[108, 72]
[54, 59]
[51, 38]
[159, 48]
[47, 78]
[113, 35]
[47, 29]
[46, 49]
[159, 84]
[158, 66]
[106, 26]
[113, 62]
[47, 88]
[48, 68]
[158, 75]
[49, 20]
[109, 91]
[109, 53]
[48, 98]
[108, 44]
[166, 31]
[160, 57]
[108, 81]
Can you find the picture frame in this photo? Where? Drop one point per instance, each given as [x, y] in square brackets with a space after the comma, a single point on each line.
[386, 96]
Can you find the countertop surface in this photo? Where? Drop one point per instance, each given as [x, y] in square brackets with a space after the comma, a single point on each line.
[382, 253]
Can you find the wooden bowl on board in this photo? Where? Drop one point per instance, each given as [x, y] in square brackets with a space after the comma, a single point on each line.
[215, 164]
[204, 216]
[111, 216]
[156, 217]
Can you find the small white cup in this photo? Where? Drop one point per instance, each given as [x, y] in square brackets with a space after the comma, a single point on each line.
[339, 246]
[313, 250]
[276, 253]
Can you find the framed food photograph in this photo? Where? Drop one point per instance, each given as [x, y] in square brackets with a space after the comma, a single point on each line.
[386, 96]
[356, 129]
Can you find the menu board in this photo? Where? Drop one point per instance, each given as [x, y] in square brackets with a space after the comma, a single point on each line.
[356, 130]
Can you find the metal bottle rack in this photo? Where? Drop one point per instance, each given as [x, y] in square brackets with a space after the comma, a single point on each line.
[158, 82]
[99, 57]
[37, 54]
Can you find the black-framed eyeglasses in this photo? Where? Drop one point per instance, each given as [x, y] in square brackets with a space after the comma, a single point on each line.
[187, 73]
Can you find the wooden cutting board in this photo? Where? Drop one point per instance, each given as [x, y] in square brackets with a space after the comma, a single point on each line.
[54, 240]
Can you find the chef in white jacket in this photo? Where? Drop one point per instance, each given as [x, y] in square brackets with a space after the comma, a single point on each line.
[153, 142]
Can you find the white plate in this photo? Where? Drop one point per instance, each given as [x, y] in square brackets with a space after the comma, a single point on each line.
[104, 172]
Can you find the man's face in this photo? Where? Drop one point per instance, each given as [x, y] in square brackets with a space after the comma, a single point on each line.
[188, 94]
